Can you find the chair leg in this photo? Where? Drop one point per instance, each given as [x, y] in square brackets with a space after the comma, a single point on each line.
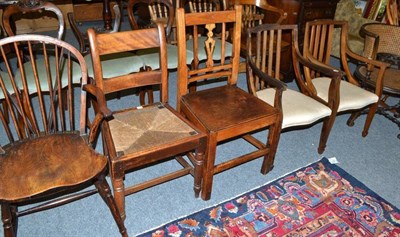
[198, 166]
[272, 143]
[119, 194]
[208, 170]
[353, 117]
[105, 192]
[370, 116]
[9, 219]
[326, 130]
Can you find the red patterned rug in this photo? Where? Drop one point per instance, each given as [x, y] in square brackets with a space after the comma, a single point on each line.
[318, 200]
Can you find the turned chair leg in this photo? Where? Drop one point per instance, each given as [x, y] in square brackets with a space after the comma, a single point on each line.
[105, 192]
[9, 220]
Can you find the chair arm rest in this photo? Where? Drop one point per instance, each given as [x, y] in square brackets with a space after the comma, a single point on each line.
[102, 112]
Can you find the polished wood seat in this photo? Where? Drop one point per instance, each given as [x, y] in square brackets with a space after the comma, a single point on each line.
[47, 157]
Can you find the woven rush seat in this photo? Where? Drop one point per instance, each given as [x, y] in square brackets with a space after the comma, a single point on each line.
[132, 131]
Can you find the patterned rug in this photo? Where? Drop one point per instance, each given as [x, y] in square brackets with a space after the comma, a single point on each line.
[318, 200]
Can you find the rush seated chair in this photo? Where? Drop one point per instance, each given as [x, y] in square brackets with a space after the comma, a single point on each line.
[139, 136]
[223, 112]
[46, 152]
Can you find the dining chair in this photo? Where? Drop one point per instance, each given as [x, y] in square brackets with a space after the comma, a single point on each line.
[224, 111]
[81, 33]
[264, 73]
[143, 135]
[254, 14]
[381, 44]
[352, 98]
[47, 158]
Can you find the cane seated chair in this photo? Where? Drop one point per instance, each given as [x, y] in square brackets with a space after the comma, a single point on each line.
[352, 98]
[81, 33]
[381, 43]
[138, 136]
[264, 60]
[223, 112]
[46, 152]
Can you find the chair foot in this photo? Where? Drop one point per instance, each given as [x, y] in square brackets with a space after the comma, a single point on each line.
[321, 150]
[105, 192]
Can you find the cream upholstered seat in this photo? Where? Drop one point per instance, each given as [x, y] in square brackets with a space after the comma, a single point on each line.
[297, 108]
[264, 44]
[351, 96]
[317, 49]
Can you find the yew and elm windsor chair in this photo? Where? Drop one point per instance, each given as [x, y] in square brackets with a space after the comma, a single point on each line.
[46, 152]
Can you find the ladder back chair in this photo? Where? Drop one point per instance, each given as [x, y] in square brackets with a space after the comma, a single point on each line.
[318, 39]
[223, 112]
[264, 74]
[46, 152]
[138, 136]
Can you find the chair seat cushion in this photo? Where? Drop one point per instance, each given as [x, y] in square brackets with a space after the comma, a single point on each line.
[141, 129]
[116, 64]
[42, 74]
[298, 109]
[351, 96]
[36, 165]
[151, 57]
[217, 49]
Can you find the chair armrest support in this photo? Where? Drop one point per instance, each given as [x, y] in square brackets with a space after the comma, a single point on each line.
[103, 112]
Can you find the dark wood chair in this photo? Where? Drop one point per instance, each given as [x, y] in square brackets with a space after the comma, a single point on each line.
[381, 43]
[81, 34]
[46, 153]
[139, 136]
[317, 48]
[264, 73]
[222, 112]
[254, 14]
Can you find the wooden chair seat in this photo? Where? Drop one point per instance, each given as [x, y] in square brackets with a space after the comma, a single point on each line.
[391, 84]
[70, 162]
[351, 96]
[297, 108]
[235, 114]
[139, 129]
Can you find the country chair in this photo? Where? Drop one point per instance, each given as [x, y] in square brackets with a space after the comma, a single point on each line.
[81, 33]
[381, 43]
[139, 136]
[222, 112]
[46, 153]
[264, 73]
[317, 48]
